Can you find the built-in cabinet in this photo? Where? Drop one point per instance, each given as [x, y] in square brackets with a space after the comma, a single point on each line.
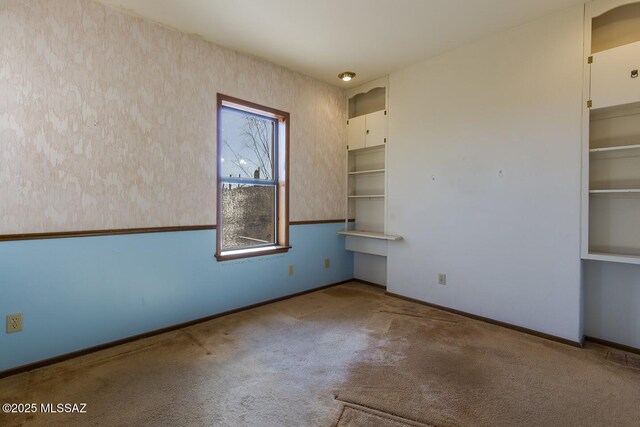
[366, 173]
[614, 76]
[369, 130]
[611, 159]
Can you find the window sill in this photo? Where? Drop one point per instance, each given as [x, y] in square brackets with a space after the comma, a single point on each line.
[253, 252]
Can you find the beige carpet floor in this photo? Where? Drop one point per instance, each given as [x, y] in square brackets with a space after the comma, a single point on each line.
[347, 356]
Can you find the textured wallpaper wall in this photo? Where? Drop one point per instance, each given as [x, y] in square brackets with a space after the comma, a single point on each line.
[108, 121]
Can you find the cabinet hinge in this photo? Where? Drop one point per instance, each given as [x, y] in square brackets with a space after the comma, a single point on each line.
[347, 121]
[385, 112]
[589, 103]
[590, 60]
[385, 140]
[347, 147]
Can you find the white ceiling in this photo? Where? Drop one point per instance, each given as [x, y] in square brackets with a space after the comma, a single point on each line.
[322, 38]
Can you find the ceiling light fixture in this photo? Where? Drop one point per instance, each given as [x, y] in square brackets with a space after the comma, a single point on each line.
[347, 75]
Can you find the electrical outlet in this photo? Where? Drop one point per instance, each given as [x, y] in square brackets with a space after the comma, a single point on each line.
[442, 279]
[291, 270]
[14, 323]
[327, 262]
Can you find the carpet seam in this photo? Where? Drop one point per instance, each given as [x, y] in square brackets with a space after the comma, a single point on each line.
[335, 424]
[371, 409]
[419, 317]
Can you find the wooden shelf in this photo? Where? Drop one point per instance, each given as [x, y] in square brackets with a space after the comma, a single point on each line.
[621, 147]
[616, 191]
[623, 259]
[368, 149]
[369, 172]
[368, 196]
[615, 152]
[616, 111]
[370, 235]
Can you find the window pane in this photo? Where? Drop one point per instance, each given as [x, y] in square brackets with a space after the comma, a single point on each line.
[248, 216]
[247, 145]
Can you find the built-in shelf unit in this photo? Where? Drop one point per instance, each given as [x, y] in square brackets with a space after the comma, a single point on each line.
[611, 159]
[369, 234]
[369, 172]
[366, 172]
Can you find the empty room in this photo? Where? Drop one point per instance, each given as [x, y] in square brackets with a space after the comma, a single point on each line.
[320, 213]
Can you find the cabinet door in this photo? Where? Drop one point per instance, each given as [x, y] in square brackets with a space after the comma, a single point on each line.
[376, 128]
[612, 81]
[356, 133]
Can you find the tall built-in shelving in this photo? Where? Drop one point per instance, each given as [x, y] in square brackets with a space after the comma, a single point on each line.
[366, 173]
[611, 159]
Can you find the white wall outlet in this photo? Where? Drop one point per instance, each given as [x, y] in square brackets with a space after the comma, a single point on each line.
[442, 279]
[327, 262]
[291, 270]
[14, 323]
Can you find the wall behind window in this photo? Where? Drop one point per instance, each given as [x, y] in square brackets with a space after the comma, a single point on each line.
[109, 121]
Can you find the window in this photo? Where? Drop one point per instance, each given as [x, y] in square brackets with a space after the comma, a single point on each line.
[253, 170]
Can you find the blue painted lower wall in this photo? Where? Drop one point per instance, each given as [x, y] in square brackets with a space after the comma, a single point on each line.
[77, 293]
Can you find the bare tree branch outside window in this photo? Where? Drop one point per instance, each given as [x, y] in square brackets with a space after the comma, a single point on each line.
[253, 154]
[248, 207]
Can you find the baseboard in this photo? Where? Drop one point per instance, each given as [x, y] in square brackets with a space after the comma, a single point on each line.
[612, 344]
[74, 354]
[364, 282]
[492, 321]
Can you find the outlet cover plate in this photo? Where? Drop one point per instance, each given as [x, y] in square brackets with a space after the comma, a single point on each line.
[14, 323]
[327, 262]
[291, 270]
[442, 279]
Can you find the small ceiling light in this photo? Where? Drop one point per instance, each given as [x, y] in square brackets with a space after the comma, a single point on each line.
[347, 75]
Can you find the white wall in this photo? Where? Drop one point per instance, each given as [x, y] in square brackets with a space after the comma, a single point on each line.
[612, 302]
[484, 177]
[370, 268]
